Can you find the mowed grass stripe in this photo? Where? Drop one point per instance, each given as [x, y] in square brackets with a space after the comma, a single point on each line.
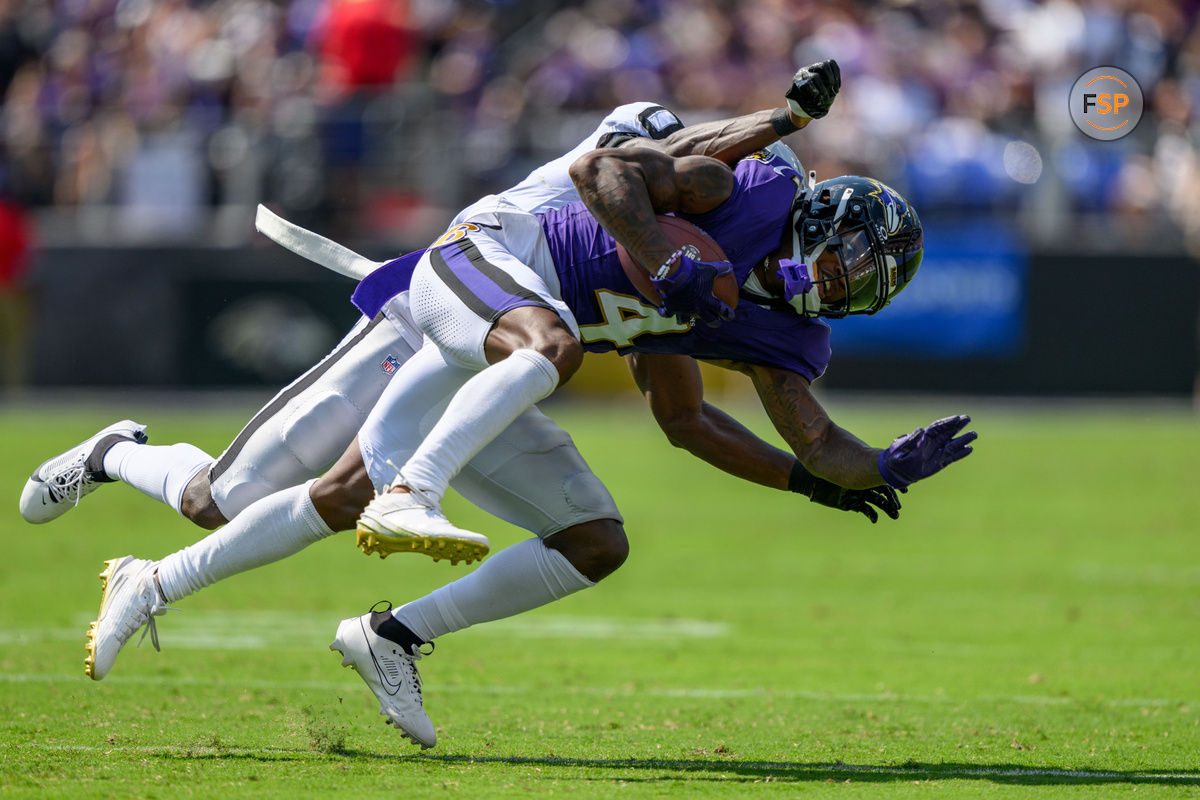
[257, 630]
[690, 693]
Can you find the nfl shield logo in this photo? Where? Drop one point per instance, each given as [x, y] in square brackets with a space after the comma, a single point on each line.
[390, 364]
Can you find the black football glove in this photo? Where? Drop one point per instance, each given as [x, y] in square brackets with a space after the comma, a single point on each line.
[830, 494]
[860, 500]
[813, 90]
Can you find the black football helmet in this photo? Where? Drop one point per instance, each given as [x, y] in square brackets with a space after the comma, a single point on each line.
[872, 230]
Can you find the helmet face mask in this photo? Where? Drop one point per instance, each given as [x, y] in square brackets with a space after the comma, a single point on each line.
[863, 244]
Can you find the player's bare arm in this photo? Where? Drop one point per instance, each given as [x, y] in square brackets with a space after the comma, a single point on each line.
[624, 189]
[675, 391]
[810, 95]
[835, 454]
[826, 449]
[727, 140]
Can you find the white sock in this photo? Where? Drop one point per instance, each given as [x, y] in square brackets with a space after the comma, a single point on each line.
[268, 530]
[485, 405]
[160, 472]
[515, 580]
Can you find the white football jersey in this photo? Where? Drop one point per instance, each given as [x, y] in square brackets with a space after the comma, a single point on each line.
[549, 186]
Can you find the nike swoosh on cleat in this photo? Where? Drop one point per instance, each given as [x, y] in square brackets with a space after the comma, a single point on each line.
[393, 688]
[383, 678]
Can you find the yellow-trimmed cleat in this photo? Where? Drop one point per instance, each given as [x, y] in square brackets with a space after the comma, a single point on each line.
[409, 522]
[129, 599]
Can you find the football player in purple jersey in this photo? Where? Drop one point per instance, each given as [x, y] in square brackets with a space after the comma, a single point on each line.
[799, 249]
[856, 256]
[510, 302]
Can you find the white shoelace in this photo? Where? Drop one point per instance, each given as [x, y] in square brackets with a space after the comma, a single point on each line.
[150, 600]
[407, 663]
[73, 482]
[410, 661]
[149, 626]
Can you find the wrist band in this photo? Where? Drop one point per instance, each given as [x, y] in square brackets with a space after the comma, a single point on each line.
[666, 265]
[801, 481]
[781, 122]
[889, 475]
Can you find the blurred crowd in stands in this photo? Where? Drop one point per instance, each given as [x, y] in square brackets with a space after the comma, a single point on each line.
[161, 119]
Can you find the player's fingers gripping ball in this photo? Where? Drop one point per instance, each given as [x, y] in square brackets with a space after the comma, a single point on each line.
[686, 287]
[714, 305]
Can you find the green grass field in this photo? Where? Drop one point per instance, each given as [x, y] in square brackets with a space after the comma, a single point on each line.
[1029, 627]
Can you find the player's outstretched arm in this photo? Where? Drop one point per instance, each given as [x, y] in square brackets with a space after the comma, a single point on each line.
[825, 449]
[810, 95]
[673, 387]
[834, 453]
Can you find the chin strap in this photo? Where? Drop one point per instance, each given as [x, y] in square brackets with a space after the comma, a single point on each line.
[795, 278]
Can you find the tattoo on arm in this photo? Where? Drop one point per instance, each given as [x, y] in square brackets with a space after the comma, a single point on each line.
[625, 189]
[826, 449]
[700, 184]
[799, 419]
[617, 194]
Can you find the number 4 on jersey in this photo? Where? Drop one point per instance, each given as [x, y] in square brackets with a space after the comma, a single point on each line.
[625, 318]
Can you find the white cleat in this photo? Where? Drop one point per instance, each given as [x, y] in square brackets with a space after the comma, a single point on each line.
[391, 673]
[130, 600]
[58, 484]
[412, 522]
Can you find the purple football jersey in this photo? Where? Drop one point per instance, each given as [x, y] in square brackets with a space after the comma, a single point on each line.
[749, 226]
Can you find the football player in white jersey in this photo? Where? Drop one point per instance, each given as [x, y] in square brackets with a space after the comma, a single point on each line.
[308, 425]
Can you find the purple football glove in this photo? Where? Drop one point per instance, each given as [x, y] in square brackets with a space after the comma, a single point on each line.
[688, 291]
[925, 451]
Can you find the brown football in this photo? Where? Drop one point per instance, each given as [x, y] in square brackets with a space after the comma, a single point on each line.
[703, 247]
